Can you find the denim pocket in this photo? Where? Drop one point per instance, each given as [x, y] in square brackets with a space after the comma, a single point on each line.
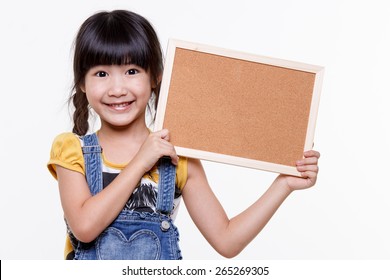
[112, 244]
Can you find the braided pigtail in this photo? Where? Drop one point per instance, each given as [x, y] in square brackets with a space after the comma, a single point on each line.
[81, 113]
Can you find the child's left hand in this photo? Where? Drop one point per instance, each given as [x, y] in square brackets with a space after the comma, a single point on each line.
[308, 167]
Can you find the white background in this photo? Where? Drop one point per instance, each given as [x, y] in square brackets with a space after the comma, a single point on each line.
[345, 216]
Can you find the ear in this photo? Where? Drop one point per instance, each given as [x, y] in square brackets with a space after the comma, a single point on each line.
[159, 78]
[82, 87]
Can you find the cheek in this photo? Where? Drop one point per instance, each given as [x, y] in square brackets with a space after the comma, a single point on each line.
[92, 97]
[93, 90]
[91, 84]
[144, 89]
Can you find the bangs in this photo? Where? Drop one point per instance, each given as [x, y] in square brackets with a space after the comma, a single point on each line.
[114, 43]
[118, 37]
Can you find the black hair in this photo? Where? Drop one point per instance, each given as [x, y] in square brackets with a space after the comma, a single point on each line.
[112, 38]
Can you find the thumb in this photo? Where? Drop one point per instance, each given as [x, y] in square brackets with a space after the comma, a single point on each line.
[164, 134]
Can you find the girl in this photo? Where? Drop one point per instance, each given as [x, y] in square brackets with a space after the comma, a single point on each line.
[118, 191]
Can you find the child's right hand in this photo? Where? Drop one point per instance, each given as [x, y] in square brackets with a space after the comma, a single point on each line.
[155, 146]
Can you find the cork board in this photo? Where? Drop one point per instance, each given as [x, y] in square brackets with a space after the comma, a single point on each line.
[238, 108]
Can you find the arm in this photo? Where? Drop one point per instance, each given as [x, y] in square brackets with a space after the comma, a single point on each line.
[230, 236]
[88, 215]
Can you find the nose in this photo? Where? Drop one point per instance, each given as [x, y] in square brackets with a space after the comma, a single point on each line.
[117, 87]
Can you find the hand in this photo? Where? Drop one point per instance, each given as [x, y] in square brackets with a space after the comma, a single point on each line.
[156, 146]
[308, 167]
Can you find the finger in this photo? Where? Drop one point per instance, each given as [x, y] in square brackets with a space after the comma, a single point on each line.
[310, 176]
[311, 168]
[167, 149]
[164, 134]
[312, 153]
[174, 157]
[310, 157]
[160, 134]
[175, 160]
[307, 161]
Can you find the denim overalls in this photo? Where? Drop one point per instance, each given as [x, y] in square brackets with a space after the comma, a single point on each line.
[133, 235]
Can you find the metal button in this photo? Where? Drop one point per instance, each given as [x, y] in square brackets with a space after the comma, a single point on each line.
[165, 225]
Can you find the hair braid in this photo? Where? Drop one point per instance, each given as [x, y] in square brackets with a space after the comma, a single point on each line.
[81, 113]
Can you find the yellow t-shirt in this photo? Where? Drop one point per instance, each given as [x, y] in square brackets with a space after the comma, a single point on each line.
[66, 152]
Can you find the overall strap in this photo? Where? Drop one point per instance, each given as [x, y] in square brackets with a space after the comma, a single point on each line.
[93, 171]
[166, 186]
[93, 162]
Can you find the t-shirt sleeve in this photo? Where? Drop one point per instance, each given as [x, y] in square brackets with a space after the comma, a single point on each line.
[181, 173]
[66, 152]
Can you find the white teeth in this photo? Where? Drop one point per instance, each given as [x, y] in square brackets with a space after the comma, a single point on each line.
[121, 105]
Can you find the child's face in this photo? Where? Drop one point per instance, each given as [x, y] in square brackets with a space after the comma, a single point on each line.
[118, 93]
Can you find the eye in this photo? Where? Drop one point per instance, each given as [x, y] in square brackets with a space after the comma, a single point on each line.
[101, 74]
[132, 71]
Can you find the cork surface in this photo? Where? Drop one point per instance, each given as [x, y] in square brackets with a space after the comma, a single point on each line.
[237, 107]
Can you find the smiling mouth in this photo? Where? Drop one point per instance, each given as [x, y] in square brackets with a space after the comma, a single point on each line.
[119, 106]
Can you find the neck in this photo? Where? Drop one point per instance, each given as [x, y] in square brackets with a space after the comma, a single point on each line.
[120, 144]
[134, 132]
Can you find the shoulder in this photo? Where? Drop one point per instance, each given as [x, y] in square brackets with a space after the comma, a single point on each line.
[194, 172]
[66, 138]
[196, 175]
[66, 152]
[65, 143]
[182, 172]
